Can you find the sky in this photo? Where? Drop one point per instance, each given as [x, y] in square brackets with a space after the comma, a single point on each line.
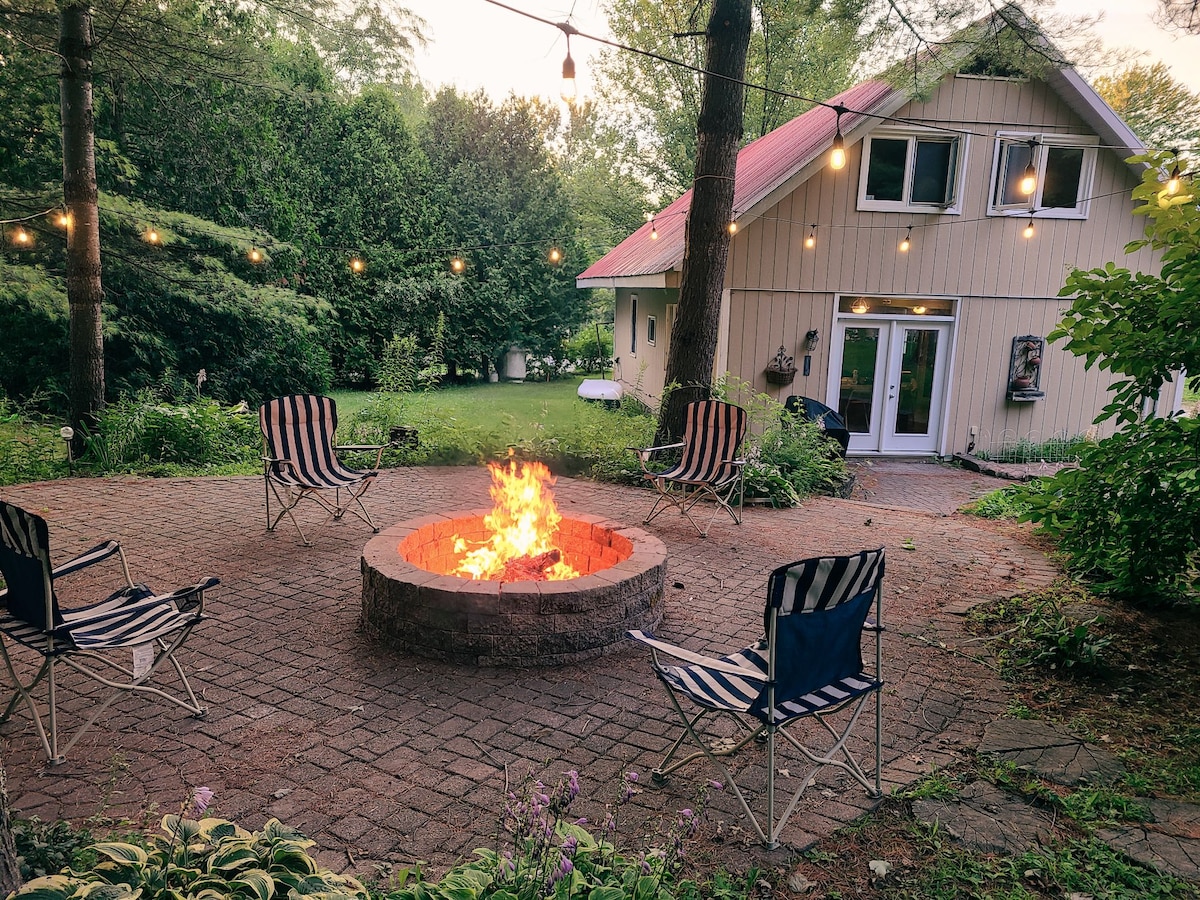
[474, 44]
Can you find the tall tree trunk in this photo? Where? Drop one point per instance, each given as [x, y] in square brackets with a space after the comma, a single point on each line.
[10, 870]
[706, 234]
[84, 292]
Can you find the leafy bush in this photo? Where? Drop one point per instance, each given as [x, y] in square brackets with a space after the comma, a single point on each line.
[549, 856]
[44, 848]
[139, 432]
[1009, 502]
[210, 857]
[792, 461]
[399, 368]
[29, 451]
[1129, 515]
[586, 353]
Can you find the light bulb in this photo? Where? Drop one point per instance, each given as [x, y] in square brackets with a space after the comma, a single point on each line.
[1028, 181]
[919, 310]
[904, 245]
[357, 265]
[555, 255]
[63, 220]
[255, 255]
[567, 92]
[837, 156]
[22, 236]
[859, 307]
[152, 236]
[1173, 181]
[810, 242]
[1028, 232]
[653, 233]
[733, 227]
[457, 264]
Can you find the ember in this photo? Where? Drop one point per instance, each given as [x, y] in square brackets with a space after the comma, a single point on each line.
[523, 525]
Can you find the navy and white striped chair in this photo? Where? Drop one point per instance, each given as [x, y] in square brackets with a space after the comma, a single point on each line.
[809, 666]
[133, 619]
[709, 467]
[300, 460]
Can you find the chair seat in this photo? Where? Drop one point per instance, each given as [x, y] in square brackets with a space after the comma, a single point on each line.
[337, 476]
[697, 475]
[128, 617]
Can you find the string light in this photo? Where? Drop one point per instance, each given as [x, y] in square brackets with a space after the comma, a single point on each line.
[21, 238]
[63, 219]
[1174, 181]
[555, 255]
[907, 242]
[733, 227]
[1029, 179]
[653, 231]
[1028, 232]
[811, 240]
[357, 265]
[457, 265]
[255, 255]
[837, 156]
[152, 236]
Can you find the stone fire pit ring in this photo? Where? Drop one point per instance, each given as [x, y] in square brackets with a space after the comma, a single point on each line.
[519, 623]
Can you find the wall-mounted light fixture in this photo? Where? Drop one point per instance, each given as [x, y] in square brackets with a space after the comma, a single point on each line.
[812, 337]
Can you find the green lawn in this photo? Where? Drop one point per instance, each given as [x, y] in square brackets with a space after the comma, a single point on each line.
[488, 407]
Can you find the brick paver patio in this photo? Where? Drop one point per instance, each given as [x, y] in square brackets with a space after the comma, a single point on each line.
[383, 757]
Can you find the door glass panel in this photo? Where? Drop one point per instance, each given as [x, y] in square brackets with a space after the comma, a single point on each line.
[915, 390]
[860, 350]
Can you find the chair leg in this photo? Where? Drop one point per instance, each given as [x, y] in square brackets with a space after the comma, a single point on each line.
[25, 692]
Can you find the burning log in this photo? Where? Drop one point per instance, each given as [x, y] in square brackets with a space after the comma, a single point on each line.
[530, 568]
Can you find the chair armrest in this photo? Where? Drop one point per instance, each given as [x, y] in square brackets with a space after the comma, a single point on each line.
[99, 553]
[640, 450]
[697, 659]
[176, 597]
[364, 448]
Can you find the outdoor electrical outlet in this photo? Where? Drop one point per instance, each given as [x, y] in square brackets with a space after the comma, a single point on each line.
[973, 430]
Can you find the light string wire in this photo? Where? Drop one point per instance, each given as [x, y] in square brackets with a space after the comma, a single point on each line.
[942, 124]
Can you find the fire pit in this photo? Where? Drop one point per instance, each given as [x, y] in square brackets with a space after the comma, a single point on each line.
[532, 588]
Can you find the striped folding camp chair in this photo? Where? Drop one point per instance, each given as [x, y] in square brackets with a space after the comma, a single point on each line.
[809, 666]
[133, 619]
[300, 460]
[709, 467]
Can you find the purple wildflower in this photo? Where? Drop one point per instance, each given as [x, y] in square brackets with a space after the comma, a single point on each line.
[201, 798]
[571, 844]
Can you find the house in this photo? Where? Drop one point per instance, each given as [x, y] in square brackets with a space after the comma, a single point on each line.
[911, 289]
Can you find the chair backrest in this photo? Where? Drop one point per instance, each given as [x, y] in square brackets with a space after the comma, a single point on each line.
[25, 565]
[300, 428]
[712, 432]
[814, 618]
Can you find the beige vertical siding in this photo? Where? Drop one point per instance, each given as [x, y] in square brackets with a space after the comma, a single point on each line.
[1007, 285]
[642, 372]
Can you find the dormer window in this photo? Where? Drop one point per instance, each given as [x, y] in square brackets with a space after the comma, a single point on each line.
[1063, 166]
[910, 171]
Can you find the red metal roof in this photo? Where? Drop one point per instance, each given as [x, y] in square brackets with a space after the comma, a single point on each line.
[762, 165]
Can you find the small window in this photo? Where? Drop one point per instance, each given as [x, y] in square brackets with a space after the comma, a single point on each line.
[910, 171]
[633, 320]
[1062, 168]
[650, 330]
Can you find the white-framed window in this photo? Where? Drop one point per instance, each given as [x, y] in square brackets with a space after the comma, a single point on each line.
[651, 330]
[911, 170]
[1063, 166]
[633, 320]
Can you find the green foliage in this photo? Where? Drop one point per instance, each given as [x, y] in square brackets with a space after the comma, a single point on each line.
[1129, 516]
[29, 450]
[208, 858]
[588, 352]
[1056, 449]
[398, 369]
[1047, 637]
[143, 434]
[1005, 503]
[44, 848]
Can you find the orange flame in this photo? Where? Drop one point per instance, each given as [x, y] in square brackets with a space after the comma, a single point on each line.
[523, 523]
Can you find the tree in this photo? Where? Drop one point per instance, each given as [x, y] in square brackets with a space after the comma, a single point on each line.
[1180, 15]
[10, 870]
[706, 236]
[1129, 515]
[172, 42]
[808, 49]
[505, 209]
[1162, 112]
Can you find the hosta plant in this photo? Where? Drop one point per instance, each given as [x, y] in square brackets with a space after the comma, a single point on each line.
[209, 859]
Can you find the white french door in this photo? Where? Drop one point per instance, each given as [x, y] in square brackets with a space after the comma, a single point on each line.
[888, 379]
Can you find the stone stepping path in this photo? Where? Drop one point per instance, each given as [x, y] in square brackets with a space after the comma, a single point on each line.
[989, 819]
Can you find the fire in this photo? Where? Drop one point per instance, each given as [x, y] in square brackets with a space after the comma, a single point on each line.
[523, 523]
